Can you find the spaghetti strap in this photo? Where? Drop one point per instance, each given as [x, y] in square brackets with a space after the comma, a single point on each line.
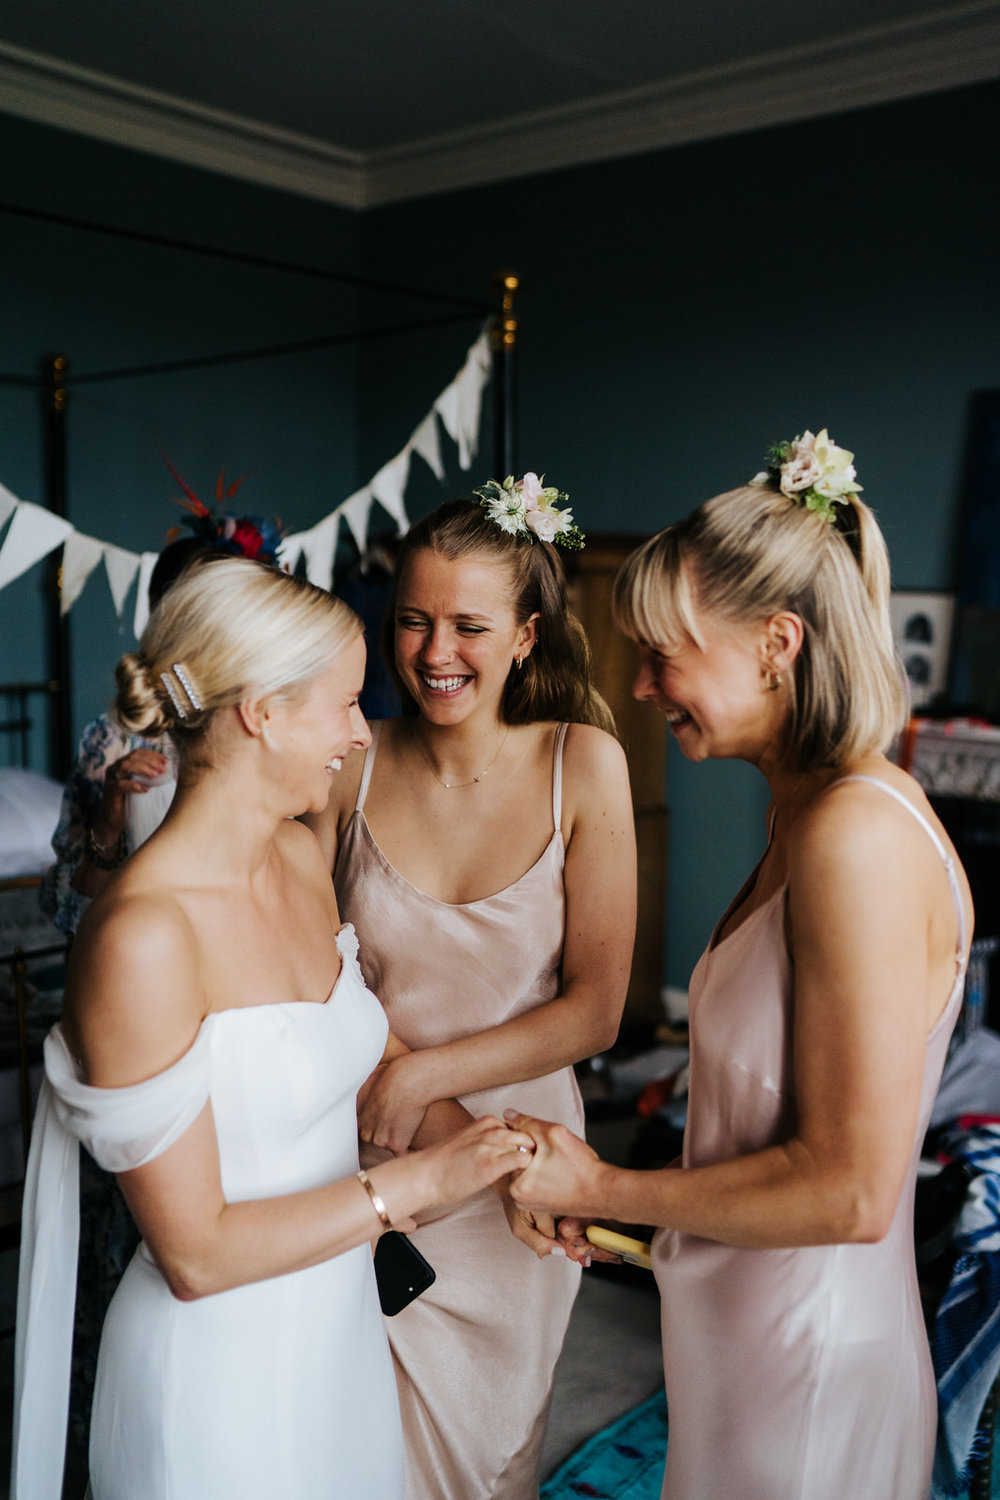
[366, 774]
[557, 769]
[946, 859]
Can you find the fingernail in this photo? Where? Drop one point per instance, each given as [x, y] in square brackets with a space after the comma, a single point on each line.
[558, 1250]
[510, 1114]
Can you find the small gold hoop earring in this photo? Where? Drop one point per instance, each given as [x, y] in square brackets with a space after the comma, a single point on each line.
[773, 681]
[519, 660]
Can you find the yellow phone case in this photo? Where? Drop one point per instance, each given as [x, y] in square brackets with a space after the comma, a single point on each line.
[635, 1252]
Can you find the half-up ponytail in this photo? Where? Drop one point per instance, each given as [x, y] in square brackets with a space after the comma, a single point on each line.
[751, 552]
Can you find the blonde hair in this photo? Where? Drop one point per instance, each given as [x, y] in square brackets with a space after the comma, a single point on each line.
[751, 552]
[228, 626]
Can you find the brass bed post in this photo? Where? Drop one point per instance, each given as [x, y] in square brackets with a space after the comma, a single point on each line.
[504, 370]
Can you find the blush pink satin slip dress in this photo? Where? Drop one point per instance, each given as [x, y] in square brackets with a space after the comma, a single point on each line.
[800, 1374]
[476, 1354]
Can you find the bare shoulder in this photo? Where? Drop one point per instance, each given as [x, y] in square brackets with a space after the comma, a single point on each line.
[134, 994]
[854, 826]
[593, 755]
[597, 798]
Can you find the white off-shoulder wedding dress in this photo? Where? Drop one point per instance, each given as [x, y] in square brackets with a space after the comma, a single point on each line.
[283, 1387]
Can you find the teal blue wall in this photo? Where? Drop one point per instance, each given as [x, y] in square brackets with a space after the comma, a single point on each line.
[683, 309]
[680, 310]
[106, 303]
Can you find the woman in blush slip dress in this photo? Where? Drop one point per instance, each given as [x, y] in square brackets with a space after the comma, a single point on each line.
[483, 848]
[216, 1031]
[795, 1356]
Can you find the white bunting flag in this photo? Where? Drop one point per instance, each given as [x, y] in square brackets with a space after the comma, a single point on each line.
[8, 503]
[389, 484]
[121, 568]
[81, 554]
[355, 511]
[318, 547]
[146, 565]
[469, 386]
[33, 533]
[426, 440]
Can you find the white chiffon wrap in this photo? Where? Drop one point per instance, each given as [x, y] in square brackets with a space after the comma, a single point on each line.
[122, 1128]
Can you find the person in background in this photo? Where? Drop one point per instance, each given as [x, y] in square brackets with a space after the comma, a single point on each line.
[483, 848]
[215, 1033]
[795, 1355]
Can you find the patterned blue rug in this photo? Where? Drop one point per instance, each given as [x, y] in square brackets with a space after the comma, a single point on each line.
[622, 1462]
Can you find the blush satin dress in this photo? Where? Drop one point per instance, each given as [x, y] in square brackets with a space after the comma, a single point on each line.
[800, 1374]
[475, 1355]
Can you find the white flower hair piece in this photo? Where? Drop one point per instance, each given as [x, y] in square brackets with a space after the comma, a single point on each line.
[526, 507]
[812, 471]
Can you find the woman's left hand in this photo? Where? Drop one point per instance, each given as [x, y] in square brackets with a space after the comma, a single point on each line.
[389, 1114]
[537, 1230]
[559, 1178]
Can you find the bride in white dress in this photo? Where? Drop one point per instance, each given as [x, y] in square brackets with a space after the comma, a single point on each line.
[216, 1032]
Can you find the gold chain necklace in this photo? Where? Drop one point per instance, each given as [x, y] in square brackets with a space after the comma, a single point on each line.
[457, 785]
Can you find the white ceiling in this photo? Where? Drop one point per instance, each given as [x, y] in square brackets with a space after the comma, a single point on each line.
[362, 102]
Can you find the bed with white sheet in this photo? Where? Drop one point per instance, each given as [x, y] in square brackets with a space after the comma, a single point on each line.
[32, 953]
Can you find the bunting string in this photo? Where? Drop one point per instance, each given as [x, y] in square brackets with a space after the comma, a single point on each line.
[34, 532]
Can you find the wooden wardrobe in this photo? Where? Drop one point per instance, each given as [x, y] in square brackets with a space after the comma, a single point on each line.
[643, 733]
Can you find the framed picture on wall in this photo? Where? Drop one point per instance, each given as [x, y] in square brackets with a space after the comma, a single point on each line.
[921, 627]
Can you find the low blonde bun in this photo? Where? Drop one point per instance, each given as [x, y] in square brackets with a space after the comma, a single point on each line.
[141, 705]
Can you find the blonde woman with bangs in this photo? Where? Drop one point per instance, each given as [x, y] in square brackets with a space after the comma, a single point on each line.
[795, 1356]
[215, 1034]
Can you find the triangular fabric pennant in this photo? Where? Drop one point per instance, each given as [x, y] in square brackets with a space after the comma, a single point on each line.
[469, 385]
[426, 440]
[355, 511]
[146, 565]
[81, 554]
[8, 503]
[446, 407]
[121, 567]
[33, 533]
[318, 547]
[388, 486]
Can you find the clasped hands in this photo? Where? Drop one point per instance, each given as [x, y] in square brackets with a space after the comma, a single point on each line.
[539, 1201]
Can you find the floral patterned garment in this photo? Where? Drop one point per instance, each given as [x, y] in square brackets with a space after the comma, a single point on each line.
[101, 744]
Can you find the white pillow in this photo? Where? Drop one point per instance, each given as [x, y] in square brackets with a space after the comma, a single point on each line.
[29, 812]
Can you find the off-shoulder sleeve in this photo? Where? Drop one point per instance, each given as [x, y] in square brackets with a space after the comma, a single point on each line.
[122, 1128]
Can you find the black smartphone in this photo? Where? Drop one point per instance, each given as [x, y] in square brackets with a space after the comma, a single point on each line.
[401, 1272]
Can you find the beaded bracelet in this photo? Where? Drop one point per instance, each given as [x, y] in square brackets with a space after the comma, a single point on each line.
[377, 1203]
[104, 859]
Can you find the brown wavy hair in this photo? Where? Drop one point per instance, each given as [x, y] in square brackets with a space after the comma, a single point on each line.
[555, 680]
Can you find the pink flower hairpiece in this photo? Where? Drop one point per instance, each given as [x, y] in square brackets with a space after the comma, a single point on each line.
[525, 507]
[812, 471]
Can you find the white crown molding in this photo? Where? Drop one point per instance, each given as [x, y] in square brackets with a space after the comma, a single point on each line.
[878, 65]
[51, 92]
[937, 50]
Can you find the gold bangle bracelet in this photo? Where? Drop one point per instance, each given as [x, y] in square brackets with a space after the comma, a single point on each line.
[377, 1203]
